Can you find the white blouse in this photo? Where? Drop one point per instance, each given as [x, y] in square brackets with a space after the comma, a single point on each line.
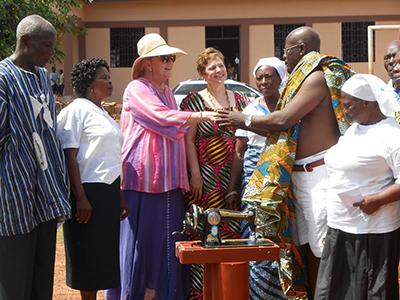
[89, 128]
[255, 108]
[367, 159]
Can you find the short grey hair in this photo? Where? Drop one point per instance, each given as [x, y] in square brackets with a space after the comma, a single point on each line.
[34, 25]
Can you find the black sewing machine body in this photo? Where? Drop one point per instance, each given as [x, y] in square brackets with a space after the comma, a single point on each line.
[207, 223]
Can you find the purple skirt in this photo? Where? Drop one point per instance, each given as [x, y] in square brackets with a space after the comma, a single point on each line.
[147, 248]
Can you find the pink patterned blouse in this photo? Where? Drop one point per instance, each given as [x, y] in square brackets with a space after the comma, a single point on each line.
[153, 152]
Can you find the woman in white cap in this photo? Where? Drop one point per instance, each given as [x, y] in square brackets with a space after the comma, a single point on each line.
[211, 148]
[361, 250]
[154, 174]
[270, 75]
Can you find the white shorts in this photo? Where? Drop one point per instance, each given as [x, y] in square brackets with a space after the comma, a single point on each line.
[310, 192]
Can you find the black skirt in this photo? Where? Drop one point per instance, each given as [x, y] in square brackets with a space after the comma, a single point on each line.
[92, 249]
[359, 266]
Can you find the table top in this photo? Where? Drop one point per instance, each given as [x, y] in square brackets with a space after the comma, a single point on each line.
[190, 252]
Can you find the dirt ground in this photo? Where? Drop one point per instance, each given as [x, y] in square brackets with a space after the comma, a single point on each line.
[61, 291]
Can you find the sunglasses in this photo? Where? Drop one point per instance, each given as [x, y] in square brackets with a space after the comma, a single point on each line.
[166, 58]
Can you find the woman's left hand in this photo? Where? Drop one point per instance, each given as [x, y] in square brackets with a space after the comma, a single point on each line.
[368, 205]
[232, 202]
[123, 206]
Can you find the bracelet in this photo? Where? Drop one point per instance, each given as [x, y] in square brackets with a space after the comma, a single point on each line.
[230, 194]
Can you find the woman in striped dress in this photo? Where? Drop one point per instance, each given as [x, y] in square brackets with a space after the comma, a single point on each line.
[270, 76]
[210, 148]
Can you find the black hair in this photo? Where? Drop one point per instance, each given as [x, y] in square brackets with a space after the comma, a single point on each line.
[84, 73]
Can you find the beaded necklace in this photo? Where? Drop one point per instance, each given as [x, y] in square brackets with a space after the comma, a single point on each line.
[215, 103]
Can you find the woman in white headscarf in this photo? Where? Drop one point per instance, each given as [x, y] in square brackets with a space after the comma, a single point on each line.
[270, 75]
[361, 250]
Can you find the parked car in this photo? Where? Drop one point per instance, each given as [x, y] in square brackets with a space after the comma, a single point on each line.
[185, 87]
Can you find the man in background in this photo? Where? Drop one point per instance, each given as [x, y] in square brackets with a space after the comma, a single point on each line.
[61, 83]
[54, 80]
[389, 61]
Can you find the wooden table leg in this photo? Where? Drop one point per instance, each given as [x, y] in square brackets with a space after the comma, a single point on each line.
[226, 281]
[212, 287]
[235, 280]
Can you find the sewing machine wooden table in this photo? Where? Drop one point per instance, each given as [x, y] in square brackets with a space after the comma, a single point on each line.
[226, 269]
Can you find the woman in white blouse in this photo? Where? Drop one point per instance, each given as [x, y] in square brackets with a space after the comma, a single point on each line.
[92, 141]
[361, 249]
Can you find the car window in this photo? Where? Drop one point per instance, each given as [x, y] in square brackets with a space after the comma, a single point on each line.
[241, 89]
[185, 89]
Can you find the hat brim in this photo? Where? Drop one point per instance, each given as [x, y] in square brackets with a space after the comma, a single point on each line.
[162, 50]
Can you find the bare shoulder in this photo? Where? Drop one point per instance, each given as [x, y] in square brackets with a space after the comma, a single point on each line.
[311, 94]
[315, 80]
[313, 90]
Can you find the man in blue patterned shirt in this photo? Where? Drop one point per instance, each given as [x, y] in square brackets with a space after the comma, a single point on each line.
[34, 187]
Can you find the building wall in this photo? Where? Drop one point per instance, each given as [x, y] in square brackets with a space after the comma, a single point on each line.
[183, 23]
[261, 44]
[331, 38]
[191, 40]
[223, 9]
[122, 76]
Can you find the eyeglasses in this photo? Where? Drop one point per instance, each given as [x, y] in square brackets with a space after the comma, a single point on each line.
[166, 58]
[286, 50]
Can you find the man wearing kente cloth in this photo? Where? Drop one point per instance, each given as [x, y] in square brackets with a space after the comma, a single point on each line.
[290, 172]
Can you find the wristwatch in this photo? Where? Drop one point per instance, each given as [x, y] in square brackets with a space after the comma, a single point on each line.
[247, 120]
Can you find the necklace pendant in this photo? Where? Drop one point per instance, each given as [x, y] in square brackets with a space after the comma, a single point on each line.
[216, 106]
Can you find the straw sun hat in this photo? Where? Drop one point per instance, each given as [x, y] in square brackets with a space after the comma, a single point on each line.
[150, 45]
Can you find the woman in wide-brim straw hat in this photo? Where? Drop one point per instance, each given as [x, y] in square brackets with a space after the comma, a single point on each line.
[152, 45]
[153, 176]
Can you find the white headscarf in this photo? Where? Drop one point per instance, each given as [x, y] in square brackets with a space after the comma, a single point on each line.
[370, 88]
[274, 62]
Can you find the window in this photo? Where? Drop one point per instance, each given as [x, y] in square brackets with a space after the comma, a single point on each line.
[123, 46]
[226, 39]
[355, 41]
[280, 33]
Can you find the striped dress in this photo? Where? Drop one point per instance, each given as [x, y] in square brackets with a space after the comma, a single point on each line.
[215, 149]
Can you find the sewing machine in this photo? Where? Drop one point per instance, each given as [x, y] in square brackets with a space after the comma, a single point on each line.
[208, 222]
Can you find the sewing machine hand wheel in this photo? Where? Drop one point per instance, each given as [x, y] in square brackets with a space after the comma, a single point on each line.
[191, 220]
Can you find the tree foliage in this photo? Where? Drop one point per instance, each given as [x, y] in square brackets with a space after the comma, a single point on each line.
[58, 12]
